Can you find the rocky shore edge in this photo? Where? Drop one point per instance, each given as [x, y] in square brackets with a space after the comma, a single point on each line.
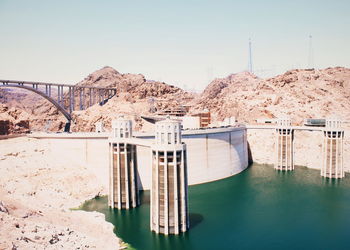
[38, 190]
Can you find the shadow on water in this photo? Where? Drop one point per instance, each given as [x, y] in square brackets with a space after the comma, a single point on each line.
[195, 219]
[250, 155]
[145, 197]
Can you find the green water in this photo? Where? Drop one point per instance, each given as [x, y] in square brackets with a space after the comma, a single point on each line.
[259, 208]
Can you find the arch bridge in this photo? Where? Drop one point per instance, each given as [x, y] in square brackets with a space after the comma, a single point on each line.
[66, 98]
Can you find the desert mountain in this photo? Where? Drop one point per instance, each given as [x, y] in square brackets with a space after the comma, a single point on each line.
[135, 96]
[134, 84]
[297, 93]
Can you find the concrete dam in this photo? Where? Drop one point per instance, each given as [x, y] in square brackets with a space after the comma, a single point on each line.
[212, 154]
[167, 161]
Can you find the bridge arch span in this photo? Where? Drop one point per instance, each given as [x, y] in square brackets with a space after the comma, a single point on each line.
[59, 107]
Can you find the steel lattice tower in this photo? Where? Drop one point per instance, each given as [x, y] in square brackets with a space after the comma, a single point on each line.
[250, 61]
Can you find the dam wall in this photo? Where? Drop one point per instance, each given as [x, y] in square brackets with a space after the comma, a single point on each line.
[212, 154]
[307, 147]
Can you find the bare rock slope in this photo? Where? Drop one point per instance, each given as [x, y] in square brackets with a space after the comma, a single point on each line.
[297, 93]
[36, 197]
[135, 97]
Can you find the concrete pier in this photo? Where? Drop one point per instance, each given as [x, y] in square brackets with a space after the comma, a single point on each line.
[123, 189]
[332, 149]
[169, 205]
[284, 145]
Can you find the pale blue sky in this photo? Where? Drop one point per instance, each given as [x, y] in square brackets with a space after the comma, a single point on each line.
[185, 43]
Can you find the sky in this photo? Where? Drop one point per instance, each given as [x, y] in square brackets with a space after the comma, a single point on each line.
[186, 43]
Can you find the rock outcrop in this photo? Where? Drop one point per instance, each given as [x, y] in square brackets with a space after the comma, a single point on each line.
[38, 190]
[135, 96]
[300, 93]
[297, 93]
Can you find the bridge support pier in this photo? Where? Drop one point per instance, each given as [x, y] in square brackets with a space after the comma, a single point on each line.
[332, 157]
[169, 205]
[73, 98]
[67, 127]
[90, 98]
[60, 97]
[82, 99]
[70, 99]
[123, 189]
[284, 145]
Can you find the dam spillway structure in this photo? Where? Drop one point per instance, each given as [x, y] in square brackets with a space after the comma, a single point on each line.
[332, 149]
[284, 145]
[169, 205]
[123, 189]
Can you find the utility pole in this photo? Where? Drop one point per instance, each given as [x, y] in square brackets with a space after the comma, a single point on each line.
[311, 54]
[250, 61]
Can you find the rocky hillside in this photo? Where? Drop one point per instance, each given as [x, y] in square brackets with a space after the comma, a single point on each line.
[297, 93]
[14, 120]
[134, 84]
[135, 96]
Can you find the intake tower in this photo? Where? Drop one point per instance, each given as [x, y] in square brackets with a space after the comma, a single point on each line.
[123, 190]
[169, 206]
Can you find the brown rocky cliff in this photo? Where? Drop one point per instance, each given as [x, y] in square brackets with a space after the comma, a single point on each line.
[133, 84]
[134, 92]
[133, 98]
[297, 93]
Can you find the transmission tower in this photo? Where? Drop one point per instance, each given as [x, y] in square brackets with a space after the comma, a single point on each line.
[250, 61]
[311, 54]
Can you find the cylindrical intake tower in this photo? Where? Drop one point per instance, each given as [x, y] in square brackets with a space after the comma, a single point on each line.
[284, 145]
[169, 208]
[122, 128]
[332, 160]
[123, 190]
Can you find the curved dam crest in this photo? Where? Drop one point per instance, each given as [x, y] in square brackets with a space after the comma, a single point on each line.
[212, 154]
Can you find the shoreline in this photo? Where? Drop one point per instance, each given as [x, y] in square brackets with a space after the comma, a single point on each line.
[33, 170]
[37, 192]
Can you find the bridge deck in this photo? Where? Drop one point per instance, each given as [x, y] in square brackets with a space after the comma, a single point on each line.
[51, 84]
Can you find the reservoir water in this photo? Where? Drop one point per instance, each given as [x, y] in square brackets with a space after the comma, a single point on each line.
[259, 208]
